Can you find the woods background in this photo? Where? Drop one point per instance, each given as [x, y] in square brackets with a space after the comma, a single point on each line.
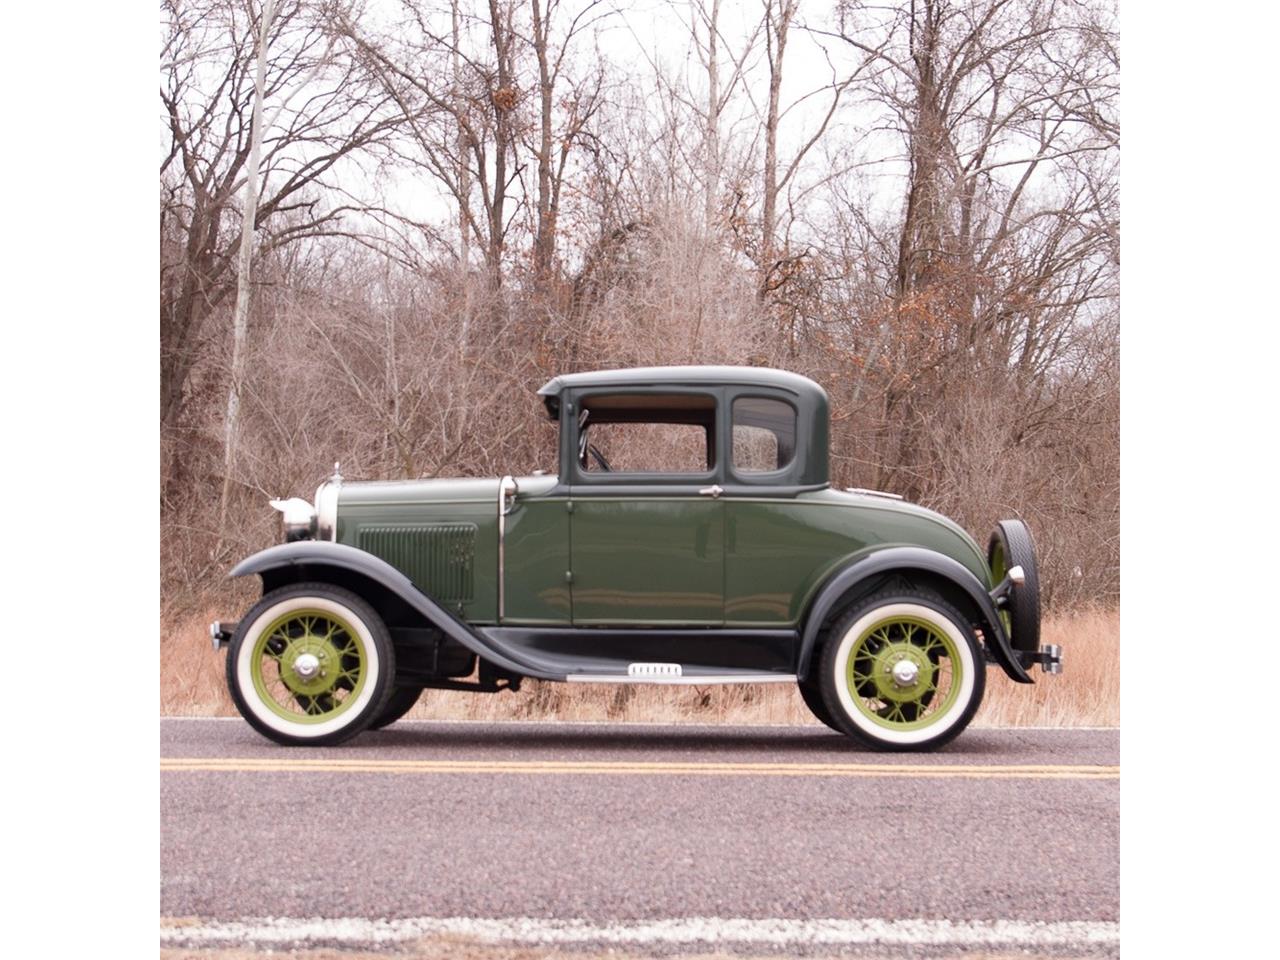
[913, 203]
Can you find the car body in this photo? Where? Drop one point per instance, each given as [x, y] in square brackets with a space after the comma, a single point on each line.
[689, 535]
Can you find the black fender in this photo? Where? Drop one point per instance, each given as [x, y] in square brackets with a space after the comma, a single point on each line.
[906, 560]
[324, 553]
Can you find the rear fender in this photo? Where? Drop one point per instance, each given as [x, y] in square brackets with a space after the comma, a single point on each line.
[908, 561]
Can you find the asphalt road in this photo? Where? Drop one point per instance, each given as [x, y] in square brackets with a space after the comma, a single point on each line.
[616, 833]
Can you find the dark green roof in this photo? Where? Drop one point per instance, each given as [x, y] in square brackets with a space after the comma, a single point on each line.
[810, 468]
[802, 387]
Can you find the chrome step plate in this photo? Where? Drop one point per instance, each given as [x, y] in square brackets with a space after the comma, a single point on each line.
[654, 670]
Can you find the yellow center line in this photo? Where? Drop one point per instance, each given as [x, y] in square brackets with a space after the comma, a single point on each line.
[642, 768]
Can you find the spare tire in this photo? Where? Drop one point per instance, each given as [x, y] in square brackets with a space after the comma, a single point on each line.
[1011, 546]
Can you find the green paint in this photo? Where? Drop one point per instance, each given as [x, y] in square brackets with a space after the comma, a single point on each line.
[999, 569]
[637, 549]
[537, 561]
[886, 702]
[331, 691]
[648, 560]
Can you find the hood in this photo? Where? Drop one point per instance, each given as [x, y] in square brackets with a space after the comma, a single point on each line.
[443, 490]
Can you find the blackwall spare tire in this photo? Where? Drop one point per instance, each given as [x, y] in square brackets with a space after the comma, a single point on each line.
[1011, 546]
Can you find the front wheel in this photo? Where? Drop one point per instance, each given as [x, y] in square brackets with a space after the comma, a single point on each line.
[901, 671]
[401, 702]
[311, 663]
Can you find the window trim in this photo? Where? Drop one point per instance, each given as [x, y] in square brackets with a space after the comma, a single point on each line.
[578, 478]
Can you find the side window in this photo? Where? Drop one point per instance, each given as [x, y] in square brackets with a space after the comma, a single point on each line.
[764, 435]
[646, 433]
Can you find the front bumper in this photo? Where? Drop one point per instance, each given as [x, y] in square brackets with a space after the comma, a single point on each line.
[221, 633]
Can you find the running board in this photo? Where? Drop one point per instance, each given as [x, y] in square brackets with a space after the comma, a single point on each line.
[682, 679]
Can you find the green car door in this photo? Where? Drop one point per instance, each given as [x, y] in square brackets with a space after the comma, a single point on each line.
[656, 559]
[646, 528]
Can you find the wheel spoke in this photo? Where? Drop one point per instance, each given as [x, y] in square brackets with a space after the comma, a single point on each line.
[315, 633]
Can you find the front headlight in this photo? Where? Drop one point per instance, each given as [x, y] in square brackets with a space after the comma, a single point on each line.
[299, 518]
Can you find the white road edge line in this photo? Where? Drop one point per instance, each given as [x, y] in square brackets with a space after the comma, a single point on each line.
[551, 722]
[529, 930]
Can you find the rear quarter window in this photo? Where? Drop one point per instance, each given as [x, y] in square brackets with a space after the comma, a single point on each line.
[764, 435]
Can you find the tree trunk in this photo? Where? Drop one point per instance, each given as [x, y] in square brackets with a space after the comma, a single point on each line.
[464, 185]
[776, 27]
[544, 242]
[711, 134]
[503, 98]
[241, 321]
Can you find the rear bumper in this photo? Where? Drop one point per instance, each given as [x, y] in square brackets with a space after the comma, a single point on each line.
[1049, 656]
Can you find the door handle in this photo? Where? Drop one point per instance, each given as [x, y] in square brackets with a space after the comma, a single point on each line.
[712, 491]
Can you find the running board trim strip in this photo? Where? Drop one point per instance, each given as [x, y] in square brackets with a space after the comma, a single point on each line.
[686, 680]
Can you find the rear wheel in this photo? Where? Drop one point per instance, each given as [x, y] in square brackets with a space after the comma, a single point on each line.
[901, 671]
[310, 663]
[812, 698]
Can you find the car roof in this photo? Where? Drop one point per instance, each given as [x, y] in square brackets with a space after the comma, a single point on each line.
[811, 467]
[687, 376]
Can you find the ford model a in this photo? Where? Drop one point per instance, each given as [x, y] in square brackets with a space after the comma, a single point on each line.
[689, 535]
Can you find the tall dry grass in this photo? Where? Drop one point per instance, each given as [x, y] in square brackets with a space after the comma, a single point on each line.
[1087, 693]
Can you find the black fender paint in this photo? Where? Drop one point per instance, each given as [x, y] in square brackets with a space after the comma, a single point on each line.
[323, 553]
[905, 560]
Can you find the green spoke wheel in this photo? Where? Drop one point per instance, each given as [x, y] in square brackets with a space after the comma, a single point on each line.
[310, 663]
[902, 671]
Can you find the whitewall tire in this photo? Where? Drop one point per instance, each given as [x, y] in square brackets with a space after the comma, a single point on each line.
[311, 663]
[902, 671]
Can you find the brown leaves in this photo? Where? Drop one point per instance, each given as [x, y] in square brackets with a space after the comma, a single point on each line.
[505, 99]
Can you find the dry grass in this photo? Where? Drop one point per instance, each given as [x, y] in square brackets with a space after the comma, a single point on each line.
[192, 683]
[1085, 694]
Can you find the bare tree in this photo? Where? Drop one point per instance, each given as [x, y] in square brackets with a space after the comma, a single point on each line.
[459, 106]
[932, 234]
[325, 116]
[249, 211]
[724, 79]
[580, 104]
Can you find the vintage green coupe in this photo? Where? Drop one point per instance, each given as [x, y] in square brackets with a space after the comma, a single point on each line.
[690, 536]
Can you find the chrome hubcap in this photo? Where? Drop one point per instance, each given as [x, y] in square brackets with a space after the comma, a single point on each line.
[306, 666]
[905, 673]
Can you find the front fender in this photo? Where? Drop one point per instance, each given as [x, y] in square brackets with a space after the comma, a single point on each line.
[310, 558]
[905, 560]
